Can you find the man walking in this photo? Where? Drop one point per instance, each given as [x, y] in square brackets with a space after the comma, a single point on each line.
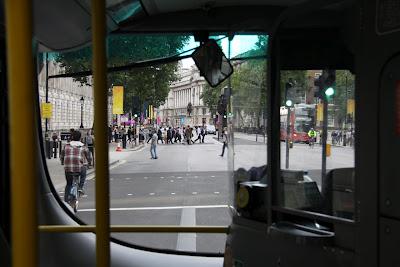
[225, 141]
[153, 146]
[89, 142]
[197, 130]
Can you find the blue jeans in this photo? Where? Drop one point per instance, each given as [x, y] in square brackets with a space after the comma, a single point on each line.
[83, 177]
[153, 151]
[69, 176]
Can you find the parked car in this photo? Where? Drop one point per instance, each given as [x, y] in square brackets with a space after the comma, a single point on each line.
[210, 129]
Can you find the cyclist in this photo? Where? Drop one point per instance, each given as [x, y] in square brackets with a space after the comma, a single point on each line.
[312, 134]
[74, 157]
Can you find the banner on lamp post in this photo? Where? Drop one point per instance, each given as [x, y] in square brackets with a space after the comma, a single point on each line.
[118, 99]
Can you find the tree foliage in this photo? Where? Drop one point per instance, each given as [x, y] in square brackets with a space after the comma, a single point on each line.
[151, 84]
[344, 91]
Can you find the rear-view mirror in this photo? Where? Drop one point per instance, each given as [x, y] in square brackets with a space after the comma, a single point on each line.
[212, 63]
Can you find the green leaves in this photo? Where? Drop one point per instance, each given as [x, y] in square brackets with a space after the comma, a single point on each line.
[150, 84]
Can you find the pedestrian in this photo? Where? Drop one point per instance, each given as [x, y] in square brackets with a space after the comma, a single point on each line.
[178, 135]
[141, 136]
[115, 135]
[225, 141]
[198, 132]
[129, 134]
[164, 135]
[203, 134]
[89, 142]
[169, 136]
[150, 136]
[75, 157]
[188, 135]
[173, 135]
[153, 146]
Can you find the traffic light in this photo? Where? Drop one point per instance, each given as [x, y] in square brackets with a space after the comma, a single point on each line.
[288, 86]
[222, 103]
[326, 83]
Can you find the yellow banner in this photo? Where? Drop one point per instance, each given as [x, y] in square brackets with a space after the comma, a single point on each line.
[320, 112]
[47, 110]
[350, 106]
[118, 100]
[151, 112]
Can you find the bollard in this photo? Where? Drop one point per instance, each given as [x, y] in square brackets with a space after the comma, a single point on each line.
[55, 149]
[48, 148]
[124, 141]
[328, 150]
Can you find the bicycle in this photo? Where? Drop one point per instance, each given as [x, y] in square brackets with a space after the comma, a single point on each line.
[311, 142]
[73, 194]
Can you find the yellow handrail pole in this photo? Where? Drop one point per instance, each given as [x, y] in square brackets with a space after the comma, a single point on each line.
[101, 132]
[23, 151]
[137, 229]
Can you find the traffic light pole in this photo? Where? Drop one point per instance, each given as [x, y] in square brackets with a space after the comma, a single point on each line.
[287, 137]
[324, 138]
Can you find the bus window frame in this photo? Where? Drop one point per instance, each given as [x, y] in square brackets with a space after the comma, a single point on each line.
[273, 197]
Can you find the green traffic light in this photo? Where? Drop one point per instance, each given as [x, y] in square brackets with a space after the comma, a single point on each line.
[289, 103]
[329, 91]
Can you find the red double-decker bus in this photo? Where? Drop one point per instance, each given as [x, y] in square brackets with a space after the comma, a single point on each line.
[301, 120]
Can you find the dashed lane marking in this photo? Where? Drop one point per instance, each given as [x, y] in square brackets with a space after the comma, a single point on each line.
[194, 193]
[130, 194]
[173, 193]
[160, 208]
[151, 194]
[216, 192]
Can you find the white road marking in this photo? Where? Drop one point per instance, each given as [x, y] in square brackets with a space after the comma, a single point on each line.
[173, 193]
[212, 176]
[194, 193]
[130, 194]
[216, 192]
[187, 241]
[127, 178]
[162, 177]
[161, 208]
[179, 177]
[151, 194]
[172, 181]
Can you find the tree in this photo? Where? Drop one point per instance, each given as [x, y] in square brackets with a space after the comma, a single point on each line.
[344, 91]
[248, 85]
[149, 84]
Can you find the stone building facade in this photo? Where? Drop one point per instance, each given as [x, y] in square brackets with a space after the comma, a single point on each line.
[187, 89]
[65, 95]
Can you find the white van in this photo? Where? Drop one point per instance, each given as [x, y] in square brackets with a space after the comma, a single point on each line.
[210, 129]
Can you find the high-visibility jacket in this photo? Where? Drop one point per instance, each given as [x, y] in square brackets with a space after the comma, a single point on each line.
[312, 133]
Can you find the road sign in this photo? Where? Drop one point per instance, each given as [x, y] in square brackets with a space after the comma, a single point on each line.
[47, 110]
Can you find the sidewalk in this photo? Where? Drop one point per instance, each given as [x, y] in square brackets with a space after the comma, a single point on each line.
[251, 137]
[56, 170]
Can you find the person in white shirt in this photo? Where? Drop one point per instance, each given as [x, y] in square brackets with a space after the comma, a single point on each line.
[153, 146]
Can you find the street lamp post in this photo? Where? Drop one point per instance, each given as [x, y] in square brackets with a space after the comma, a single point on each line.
[82, 102]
